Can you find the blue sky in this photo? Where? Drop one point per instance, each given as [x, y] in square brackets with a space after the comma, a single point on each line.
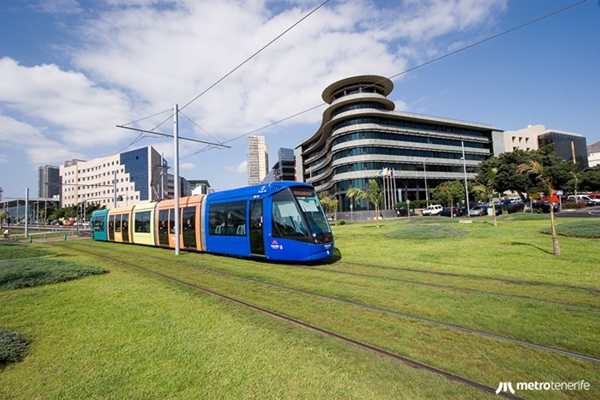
[71, 70]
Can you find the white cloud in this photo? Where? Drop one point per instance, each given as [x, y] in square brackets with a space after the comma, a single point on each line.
[172, 55]
[189, 166]
[4, 159]
[39, 149]
[78, 111]
[59, 6]
[242, 168]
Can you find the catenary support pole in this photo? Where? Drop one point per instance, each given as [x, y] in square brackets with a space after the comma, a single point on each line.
[26, 212]
[176, 173]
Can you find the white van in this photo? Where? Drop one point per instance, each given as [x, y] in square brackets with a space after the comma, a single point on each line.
[583, 198]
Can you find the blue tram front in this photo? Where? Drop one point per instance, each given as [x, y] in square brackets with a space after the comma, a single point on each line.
[277, 221]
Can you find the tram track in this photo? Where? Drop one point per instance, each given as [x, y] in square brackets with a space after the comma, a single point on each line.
[475, 277]
[373, 349]
[434, 285]
[369, 307]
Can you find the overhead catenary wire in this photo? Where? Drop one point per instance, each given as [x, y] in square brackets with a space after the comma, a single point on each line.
[419, 66]
[247, 59]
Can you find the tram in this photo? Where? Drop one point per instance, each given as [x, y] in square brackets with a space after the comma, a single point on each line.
[280, 221]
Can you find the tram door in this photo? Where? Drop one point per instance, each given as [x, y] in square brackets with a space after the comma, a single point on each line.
[125, 225]
[111, 228]
[257, 241]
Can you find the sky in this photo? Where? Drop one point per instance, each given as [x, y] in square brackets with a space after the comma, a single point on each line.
[72, 70]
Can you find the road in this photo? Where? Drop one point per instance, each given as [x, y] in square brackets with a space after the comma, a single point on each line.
[588, 212]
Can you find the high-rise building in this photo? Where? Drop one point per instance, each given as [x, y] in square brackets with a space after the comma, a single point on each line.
[48, 181]
[130, 178]
[284, 169]
[258, 159]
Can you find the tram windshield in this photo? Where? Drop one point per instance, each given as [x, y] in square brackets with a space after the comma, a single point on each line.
[289, 222]
[310, 204]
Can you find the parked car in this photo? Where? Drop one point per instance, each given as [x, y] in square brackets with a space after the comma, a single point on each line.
[456, 212]
[478, 211]
[582, 198]
[545, 206]
[434, 209]
[401, 212]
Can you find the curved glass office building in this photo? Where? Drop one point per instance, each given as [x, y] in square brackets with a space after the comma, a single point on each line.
[361, 137]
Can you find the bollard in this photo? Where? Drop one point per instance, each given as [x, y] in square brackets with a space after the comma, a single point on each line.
[16, 238]
[65, 236]
[30, 239]
[45, 236]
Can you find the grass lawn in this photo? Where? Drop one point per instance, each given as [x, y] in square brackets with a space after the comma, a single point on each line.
[130, 334]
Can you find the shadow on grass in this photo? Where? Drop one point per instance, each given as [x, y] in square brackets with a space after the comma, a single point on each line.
[531, 245]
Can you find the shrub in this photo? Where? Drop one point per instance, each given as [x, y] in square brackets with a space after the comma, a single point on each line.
[573, 206]
[12, 347]
[21, 273]
[582, 229]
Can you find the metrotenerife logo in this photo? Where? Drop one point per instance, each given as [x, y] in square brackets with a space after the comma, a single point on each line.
[505, 387]
[537, 385]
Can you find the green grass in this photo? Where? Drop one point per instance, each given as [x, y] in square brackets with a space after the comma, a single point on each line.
[12, 251]
[428, 231]
[582, 229]
[130, 334]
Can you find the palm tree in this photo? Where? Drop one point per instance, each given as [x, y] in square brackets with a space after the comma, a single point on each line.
[487, 190]
[329, 204]
[374, 196]
[543, 175]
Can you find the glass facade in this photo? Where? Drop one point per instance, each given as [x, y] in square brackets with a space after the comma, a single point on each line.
[136, 165]
[350, 149]
[567, 146]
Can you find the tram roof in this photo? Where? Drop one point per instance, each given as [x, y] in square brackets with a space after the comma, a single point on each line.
[256, 191]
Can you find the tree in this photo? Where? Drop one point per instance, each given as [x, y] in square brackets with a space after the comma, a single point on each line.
[449, 192]
[507, 178]
[329, 204]
[542, 174]
[589, 179]
[374, 196]
[487, 190]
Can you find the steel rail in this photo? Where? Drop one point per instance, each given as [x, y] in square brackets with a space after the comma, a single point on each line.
[513, 296]
[517, 282]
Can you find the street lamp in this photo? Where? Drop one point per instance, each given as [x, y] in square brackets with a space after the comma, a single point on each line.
[462, 143]
[426, 190]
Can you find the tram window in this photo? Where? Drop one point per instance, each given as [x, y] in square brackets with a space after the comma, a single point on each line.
[98, 223]
[287, 221]
[236, 218]
[217, 219]
[118, 223]
[228, 219]
[142, 221]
